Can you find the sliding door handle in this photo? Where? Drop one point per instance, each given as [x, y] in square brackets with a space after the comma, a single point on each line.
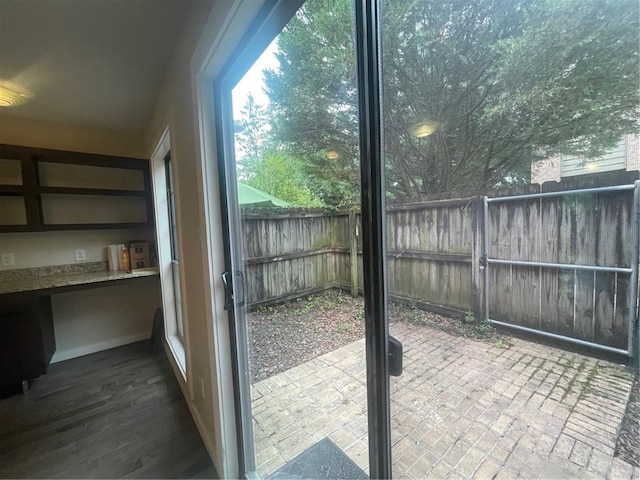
[228, 291]
[395, 357]
[229, 295]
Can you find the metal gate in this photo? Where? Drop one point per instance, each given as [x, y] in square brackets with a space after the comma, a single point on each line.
[565, 264]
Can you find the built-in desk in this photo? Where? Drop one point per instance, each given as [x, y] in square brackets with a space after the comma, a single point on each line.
[67, 282]
[27, 340]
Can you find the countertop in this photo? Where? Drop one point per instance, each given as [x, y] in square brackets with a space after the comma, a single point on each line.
[69, 280]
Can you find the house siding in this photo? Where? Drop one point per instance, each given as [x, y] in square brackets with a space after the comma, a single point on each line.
[624, 156]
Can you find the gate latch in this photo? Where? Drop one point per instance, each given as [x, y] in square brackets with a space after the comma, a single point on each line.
[483, 261]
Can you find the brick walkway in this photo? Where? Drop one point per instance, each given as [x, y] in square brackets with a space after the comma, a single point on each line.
[461, 409]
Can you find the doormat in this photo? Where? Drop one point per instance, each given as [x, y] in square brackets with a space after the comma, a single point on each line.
[322, 460]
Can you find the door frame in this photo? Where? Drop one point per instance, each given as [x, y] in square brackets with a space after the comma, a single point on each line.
[373, 237]
[269, 21]
[272, 18]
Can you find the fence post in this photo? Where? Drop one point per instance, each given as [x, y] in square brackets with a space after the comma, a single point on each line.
[353, 252]
[477, 252]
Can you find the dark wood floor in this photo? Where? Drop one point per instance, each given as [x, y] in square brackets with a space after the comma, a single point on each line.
[113, 414]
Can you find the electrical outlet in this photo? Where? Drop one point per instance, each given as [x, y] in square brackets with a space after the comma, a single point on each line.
[7, 260]
[81, 255]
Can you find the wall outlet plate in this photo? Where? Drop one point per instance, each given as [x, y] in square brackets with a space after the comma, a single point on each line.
[81, 255]
[7, 260]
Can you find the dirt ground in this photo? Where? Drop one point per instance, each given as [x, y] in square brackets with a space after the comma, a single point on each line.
[295, 332]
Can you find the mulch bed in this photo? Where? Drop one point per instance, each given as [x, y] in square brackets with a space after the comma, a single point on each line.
[628, 445]
[286, 335]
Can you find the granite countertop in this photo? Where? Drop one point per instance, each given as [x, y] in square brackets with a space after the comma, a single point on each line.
[35, 279]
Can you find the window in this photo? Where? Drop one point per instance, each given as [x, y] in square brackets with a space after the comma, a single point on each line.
[168, 251]
[173, 243]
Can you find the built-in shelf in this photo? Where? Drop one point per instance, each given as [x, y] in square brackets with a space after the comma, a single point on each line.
[93, 191]
[73, 191]
[6, 190]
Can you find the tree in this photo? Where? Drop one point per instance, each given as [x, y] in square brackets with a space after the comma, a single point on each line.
[313, 98]
[251, 135]
[492, 84]
[280, 174]
[264, 165]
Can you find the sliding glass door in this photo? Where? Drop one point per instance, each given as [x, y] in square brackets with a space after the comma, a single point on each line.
[288, 121]
[351, 134]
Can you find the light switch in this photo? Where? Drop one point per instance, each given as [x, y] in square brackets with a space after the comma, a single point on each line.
[7, 260]
[81, 256]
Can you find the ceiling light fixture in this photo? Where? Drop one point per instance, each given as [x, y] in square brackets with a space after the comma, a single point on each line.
[10, 97]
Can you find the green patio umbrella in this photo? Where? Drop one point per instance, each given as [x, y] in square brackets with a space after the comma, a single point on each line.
[252, 197]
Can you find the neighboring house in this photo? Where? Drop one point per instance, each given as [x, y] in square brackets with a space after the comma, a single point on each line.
[624, 156]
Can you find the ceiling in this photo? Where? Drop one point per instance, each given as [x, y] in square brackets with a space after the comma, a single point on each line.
[92, 63]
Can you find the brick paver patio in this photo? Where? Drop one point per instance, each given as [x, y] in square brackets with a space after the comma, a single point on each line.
[461, 409]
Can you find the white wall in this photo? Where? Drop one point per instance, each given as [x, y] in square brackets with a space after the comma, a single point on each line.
[90, 320]
[58, 248]
[19, 131]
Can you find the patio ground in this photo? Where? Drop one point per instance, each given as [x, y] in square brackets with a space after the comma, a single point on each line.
[462, 408]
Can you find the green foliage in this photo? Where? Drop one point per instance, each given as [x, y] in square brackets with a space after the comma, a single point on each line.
[343, 327]
[280, 174]
[267, 309]
[483, 329]
[251, 135]
[504, 82]
[265, 165]
[313, 98]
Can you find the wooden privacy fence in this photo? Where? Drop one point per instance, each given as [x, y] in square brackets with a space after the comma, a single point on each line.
[291, 253]
[437, 252]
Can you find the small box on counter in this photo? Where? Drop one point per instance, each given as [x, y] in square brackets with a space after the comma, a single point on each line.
[139, 254]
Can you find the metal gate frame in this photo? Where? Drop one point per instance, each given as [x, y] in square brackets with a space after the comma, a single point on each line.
[631, 270]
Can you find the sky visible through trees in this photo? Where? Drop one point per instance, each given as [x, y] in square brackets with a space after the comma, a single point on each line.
[473, 93]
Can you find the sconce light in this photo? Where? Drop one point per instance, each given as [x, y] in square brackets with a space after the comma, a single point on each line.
[424, 129]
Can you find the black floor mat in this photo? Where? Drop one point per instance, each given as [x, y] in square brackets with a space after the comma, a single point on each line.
[324, 460]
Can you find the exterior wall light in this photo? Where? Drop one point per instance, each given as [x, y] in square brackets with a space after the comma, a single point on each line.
[424, 129]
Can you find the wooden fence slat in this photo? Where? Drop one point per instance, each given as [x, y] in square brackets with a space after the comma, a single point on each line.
[414, 218]
[607, 230]
[604, 307]
[586, 221]
[620, 319]
[565, 302]
[525, 296]
[549, 300]
[550, 229]
[624, 227]
[567, 230]
[500, 293]
[583, 328]
[514, 230]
